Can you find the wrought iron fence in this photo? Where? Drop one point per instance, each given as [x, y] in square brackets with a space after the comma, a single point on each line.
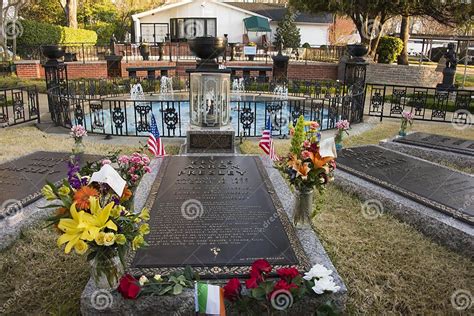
[124, 117]
[99, 88]
[179, 51]
[427, 104]
[19, 105]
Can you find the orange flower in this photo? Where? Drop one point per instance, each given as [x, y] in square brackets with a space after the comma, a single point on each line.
[318, 161]
[81, 197]
[126, 195]
[292, 160]
[302, 169]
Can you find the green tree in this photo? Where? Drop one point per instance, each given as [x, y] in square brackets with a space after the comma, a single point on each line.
[47, 11]
[288, 32]
[370, 16]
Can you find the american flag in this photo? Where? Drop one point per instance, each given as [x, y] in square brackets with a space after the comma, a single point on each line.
[266, 143]
[154, 141]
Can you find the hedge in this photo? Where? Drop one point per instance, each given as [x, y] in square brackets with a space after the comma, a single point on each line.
[389, 49]
[38, 33]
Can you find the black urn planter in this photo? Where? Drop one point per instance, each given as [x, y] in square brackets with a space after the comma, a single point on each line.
[207, 47]
[53, 51]
[145, 52]
[357, 50]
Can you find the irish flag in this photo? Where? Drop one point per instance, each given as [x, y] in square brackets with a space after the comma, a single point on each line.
[209, 299]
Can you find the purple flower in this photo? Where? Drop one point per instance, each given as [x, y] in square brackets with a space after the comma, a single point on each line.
[73, 174]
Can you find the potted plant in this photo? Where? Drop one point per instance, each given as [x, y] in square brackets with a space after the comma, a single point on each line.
[145, 51]
[309, 165]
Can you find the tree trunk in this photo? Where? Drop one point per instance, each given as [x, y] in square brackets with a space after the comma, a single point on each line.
[71, 13]
[404, 36]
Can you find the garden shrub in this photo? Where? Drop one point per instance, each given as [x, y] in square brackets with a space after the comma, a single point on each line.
[38, 33]
[389, 49]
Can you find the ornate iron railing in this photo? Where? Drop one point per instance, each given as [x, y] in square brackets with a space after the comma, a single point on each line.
[99, 88]
[123, 117]
[19, 105]
[179, 51]
[427, 104]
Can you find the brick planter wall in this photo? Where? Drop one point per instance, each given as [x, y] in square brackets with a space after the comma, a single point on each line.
[98, 69]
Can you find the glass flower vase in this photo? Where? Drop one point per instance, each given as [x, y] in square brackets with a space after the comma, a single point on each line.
[338, 146]
[106, 272]
[402, 133]
[79, 147]
[303, 208]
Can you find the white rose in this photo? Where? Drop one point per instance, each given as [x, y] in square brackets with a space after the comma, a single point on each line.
[317, 271]
[325, 284]
[143, 279]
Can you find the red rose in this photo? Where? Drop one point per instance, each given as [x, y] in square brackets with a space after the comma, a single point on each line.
[129, 287]
[232, 289]
[262, 265]
[283, 285]
[252, 283]
[288, 274]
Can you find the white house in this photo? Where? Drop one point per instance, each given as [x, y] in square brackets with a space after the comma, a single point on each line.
[186, 19]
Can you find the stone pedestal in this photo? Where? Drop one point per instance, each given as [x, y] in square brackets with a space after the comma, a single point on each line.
[114, 66]
[448, 80]
[210, 140]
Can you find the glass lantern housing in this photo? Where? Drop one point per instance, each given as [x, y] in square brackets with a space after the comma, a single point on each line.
[209, 99]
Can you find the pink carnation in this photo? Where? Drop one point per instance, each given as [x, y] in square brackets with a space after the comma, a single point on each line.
[306, 144]
[123, 159]
[134, 177]
[78, 131]
[344, 125]
[147, 169]
[136, 159]
[146, 160]
[314, 125]
[106, 162]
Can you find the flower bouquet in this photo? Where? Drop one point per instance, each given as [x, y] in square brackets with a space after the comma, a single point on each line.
[78, 132]
[93, 219]
[342, 128]
[407, 119]
[261, 294]
[309, 165]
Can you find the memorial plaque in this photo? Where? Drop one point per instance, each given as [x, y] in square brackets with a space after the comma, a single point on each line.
[22, 179]
[440, 188]
[218, 215]
[451, 144]
[211, 142]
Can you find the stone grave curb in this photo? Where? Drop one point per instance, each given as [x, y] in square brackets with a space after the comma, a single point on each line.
[433, 155]
[183, 304]
[27, 217]
[443, 229]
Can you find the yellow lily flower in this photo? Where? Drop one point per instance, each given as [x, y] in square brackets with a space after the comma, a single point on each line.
[73, 228]
[98, 220]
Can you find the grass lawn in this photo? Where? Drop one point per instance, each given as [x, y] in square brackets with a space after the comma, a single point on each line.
[388, 266]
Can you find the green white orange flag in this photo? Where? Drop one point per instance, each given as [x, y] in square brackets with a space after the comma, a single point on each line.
[209, 299]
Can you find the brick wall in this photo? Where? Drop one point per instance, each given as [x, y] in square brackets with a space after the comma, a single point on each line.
[93, 70]
[28, 69]
[403, 75]
[98, 69]
[313, 71]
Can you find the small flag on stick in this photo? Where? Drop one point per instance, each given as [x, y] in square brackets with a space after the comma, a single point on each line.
[266, 142]
[154, 141]
[209, 299]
